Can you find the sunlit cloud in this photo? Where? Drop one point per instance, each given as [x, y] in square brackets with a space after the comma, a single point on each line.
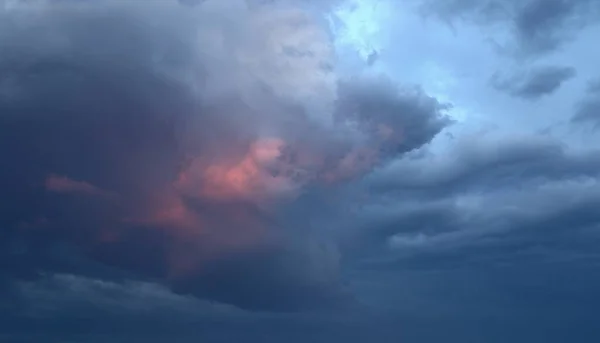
[363, 26]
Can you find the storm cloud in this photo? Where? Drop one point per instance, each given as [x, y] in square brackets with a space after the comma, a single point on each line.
[128, 126]
[236, 171]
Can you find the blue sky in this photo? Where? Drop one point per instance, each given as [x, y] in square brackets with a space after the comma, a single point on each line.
[260, 171]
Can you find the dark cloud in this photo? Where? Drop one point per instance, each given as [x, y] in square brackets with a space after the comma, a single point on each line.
[588, 109]
[94, 311]
[535, 83]
[594, 86]
[69, 307]
[496, 204]
[488, 165]
[540, 26]
[483, 228]
[63, 294]
[402, 120]
[131, 134]
[588, 112]
[100, 112]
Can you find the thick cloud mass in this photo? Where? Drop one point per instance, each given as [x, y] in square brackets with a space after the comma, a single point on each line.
[235, 171]
[163, 142]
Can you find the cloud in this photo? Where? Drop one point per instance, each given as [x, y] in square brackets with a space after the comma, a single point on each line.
[535, 83]
[588, 112]
[471, 228]
[257, 193]
[594, 86]
[541, 24]
[538, 26]
[64, 294]
[588, 109]
[506, 160]
[62, 184]
[483, 204]
[64, 306]
[207, 125]
[384, 112]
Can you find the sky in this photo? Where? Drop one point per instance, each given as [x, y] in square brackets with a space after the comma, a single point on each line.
[299, 171]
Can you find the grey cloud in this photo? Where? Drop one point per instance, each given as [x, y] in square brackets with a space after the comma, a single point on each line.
[499, 198]
[376, 239]
[135, 101]
[588, 109]
[101, 95]
[63, 294]
[486, 166]
[593, 86]
[402, 119]
[540, 26]
[480, 11]
[535, 83]
[473, 229]
[64, 307]
[588, 112]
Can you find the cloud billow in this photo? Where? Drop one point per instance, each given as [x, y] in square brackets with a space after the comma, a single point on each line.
[162, 142]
